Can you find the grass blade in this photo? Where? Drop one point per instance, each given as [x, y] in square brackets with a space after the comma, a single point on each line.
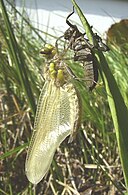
[17, 58]
[13, 151]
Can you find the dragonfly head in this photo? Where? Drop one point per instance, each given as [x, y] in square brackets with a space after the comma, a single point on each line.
[48, 51]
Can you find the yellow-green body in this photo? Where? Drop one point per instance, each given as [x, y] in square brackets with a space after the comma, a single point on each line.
[57, 117]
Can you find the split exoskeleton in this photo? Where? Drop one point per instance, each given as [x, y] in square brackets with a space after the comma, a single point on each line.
[83, 51]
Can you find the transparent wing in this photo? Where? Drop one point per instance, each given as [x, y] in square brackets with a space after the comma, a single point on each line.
[57, 113]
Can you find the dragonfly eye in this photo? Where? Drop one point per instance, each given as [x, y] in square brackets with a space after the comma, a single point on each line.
[48, 51]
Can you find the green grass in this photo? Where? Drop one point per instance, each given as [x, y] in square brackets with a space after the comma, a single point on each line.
[97, 158]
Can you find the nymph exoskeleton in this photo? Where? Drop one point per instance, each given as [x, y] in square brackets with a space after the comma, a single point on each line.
[83, 51]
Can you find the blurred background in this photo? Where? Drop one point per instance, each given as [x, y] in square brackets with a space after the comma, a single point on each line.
[50, 15]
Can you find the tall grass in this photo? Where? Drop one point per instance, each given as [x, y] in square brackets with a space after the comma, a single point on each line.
[91, 162]
[116, 102]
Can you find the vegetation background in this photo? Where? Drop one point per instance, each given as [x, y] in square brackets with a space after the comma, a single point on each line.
[96, 161]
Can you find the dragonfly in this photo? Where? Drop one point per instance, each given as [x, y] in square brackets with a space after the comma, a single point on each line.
[57, 116]
[59, 107]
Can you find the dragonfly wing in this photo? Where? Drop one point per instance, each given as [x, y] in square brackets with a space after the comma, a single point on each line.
[57, 112]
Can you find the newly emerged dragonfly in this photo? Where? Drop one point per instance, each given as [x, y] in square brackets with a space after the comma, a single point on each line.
[58, 111]
[83, 51]
[57, 116]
